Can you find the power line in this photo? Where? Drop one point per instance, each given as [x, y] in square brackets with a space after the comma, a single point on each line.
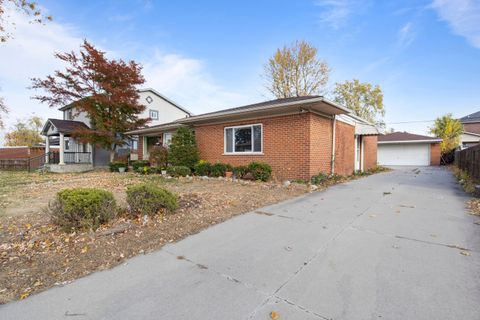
[415, 121]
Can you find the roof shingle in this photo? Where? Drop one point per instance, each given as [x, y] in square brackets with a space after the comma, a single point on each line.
[404, 136]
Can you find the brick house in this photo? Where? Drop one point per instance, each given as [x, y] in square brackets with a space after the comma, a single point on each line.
[299, 137]
[471, 128]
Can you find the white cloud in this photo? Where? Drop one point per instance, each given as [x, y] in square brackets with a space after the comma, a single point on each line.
[406, 35]
[337, 12]
[463, 16]
[30, 54]
[186, 81]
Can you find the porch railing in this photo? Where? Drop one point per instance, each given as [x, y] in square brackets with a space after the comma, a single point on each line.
[77, 157]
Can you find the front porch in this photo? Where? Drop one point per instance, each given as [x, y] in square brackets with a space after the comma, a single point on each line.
[63, 152]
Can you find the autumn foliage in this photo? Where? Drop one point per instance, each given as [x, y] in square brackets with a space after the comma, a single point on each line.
[105, 89]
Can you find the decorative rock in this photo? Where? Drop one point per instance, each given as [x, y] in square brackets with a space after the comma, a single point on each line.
[204, 178]
[286, 183]
[313, 187]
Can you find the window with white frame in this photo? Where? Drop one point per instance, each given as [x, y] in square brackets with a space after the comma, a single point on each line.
[167, 139]
[244, 139]
[153, 114]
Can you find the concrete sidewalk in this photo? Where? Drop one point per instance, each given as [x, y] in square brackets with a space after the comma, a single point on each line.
[384, 247]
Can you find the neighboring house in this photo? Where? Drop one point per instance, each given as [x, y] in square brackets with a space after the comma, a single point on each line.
[84, 156]
[299, 137]
[471, 128]
[407, 149]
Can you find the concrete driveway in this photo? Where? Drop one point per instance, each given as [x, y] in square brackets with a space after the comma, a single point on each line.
[396, 245]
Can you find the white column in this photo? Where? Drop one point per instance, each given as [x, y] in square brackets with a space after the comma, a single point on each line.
[47, 148]
[62, 148]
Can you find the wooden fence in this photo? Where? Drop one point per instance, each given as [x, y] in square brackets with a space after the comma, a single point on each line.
[14, 164]
[469, 161]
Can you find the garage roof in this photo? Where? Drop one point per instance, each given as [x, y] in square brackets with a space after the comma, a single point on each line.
[405, 137]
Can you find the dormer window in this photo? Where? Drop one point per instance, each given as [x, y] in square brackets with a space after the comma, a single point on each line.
[153, 114]
[68, 114]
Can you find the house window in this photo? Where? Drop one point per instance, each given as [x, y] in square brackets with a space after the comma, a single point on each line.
[67, 144]
[244, 139]
[154, 114]
[167, 139]
[134, 144]
[68, 114]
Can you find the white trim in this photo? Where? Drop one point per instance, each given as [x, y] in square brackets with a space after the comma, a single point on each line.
[233, 140]
[362, 145]
[410, 141]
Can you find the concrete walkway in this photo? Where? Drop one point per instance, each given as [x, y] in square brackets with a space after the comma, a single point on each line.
[385, 247]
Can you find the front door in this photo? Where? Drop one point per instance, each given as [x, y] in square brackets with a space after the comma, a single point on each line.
[358, 153]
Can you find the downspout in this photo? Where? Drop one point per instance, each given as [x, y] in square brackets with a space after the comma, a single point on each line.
[334, 121]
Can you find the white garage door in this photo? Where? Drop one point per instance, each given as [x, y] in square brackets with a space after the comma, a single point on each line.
[408, 154]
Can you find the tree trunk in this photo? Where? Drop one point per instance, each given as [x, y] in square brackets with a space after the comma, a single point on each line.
[112, 155]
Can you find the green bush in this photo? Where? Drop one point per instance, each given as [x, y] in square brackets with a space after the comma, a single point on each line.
[240, 171]
[202, 168]
[183, 150]
[179, 171]
[146, 170]
[158, 156]
[260, 170]
[218, 169]
[82, 208]
[147, 199]
[140, 164]
[117, 164]
[319, 178]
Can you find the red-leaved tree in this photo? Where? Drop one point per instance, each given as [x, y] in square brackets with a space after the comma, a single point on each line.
[105, 89]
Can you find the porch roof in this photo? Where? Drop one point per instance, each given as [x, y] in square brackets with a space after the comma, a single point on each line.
[62, 126]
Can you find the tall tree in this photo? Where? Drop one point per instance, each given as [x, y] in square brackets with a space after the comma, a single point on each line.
[25, 133]
[296, 71]
[448, 129]
[105, 89]
[3, 110]
[364, 99]
[183, 150]
[29, 8]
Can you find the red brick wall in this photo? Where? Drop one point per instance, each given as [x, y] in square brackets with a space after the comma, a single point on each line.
[320, 145]
[369, 152]
[435, 154]
[286, 145]
[344, 148]
[472, 127]
[140, 148]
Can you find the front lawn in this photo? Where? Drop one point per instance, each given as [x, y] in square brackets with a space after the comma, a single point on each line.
[35, 254]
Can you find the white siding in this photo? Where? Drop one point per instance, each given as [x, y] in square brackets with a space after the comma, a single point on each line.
[167, 112]
[82, 116]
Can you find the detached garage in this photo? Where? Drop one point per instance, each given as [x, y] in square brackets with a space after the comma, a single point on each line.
[407, 149]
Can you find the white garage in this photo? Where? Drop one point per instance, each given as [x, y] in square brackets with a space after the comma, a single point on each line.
[406, 149]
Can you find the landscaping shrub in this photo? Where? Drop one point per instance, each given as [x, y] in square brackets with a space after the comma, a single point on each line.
[117, 164]
[82, 208]
[240, 171]
[149, 199]
[140, 164]
[183, 150]
[179, 171]
[260, 170]
[218, 169]
[159, 156]
[319, 178]
[146, 170]
[202, 168]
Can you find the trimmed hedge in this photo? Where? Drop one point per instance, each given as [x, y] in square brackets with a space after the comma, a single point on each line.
[149, 199]
[260, 170]
[82, 208]
[117, 164]
[179, 171]
[140, 164]
[240, 171]
[218, 169]
[202, 168]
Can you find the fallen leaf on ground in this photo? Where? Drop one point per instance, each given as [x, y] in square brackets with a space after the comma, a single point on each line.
[465, 253]
[274, 315]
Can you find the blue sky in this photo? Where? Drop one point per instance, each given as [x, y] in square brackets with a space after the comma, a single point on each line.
[208, 55]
